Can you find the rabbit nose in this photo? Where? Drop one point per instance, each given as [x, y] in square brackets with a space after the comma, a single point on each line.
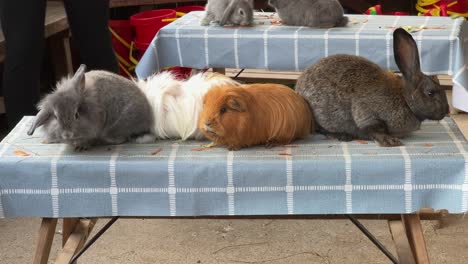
[67, 135]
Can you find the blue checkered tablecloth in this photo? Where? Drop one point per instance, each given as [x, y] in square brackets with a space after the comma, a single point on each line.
[184, 42]
[171, 178]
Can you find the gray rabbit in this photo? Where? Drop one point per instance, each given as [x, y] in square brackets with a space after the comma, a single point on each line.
[98, 107]
[229, 12]
[310, 13]
[353, 98]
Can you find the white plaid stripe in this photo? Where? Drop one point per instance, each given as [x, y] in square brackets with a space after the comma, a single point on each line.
[419, 40]
[155, 55]
[236, 48]
[289, 181]
[357, 36]
[389, 39]
[10, 138]
[179, 51]
[265, 46]
[171, 173]
[455, 26]
[408, 180]
[296, 48]
[348, 185]
[54, 190]
[230, 190]
[287, 36]
[325, 42]
[113, 191]
[462, 150]
[207, 52]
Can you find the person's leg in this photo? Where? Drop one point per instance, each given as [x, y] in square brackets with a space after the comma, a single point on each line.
[89, 21]
[22, 23]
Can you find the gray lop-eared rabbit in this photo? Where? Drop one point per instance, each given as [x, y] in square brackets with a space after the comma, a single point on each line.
[353, 98]
[310, 13]
[97, 107]
[229, 12]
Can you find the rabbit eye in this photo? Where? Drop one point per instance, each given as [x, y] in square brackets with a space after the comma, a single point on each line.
[431, 93]
[223, 110]
[77, 116]
[241, 12]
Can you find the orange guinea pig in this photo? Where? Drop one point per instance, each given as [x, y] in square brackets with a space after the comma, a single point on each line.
[247, 115]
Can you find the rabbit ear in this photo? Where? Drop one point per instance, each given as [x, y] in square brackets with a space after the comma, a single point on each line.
[228, 12]
[41, 118]
[406, 54]
[79, 77]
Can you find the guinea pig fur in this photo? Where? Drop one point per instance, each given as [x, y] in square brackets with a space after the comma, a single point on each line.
[177, 104]
[247, 115]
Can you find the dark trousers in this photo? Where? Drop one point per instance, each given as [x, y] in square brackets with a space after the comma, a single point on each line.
[22, 22]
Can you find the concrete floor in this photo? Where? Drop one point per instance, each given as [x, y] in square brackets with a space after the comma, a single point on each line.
[235, 241]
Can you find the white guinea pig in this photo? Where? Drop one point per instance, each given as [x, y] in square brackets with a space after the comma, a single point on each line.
[177, 104]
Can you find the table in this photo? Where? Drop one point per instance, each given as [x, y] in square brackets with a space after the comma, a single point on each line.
[274, 47]
[177, 179]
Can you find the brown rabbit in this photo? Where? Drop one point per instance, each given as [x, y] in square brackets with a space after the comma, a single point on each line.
[247, 115]
[352, 97]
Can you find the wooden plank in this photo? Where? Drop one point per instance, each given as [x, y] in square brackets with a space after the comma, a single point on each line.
[415, 236]
[402, 245]
[44, 240]
[76, 240]
[69, 225]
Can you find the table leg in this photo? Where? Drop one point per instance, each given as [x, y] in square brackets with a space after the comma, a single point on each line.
[76, 239]
[69, 225]
[44, 240]
[415, 236]
[402, 245]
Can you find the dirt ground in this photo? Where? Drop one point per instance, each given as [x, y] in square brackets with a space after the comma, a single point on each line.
[235, 241]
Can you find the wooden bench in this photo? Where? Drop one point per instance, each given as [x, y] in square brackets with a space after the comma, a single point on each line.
[57, 34]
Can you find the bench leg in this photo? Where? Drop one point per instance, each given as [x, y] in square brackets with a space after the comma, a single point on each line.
[75, 238]
[44, 240]
[409, 239]
[415, 236]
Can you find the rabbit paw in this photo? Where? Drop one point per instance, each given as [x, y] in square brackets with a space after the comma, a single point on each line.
[80, 148]
[388, 141]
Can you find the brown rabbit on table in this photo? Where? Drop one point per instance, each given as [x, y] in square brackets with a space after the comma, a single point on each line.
[353, 98]
[248, 115]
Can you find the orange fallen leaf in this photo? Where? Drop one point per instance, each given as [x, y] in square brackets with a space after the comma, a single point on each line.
[285, 154]
[202, 148]
[363, 142]
[155, 152]
[428, 145]
[20, 153]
